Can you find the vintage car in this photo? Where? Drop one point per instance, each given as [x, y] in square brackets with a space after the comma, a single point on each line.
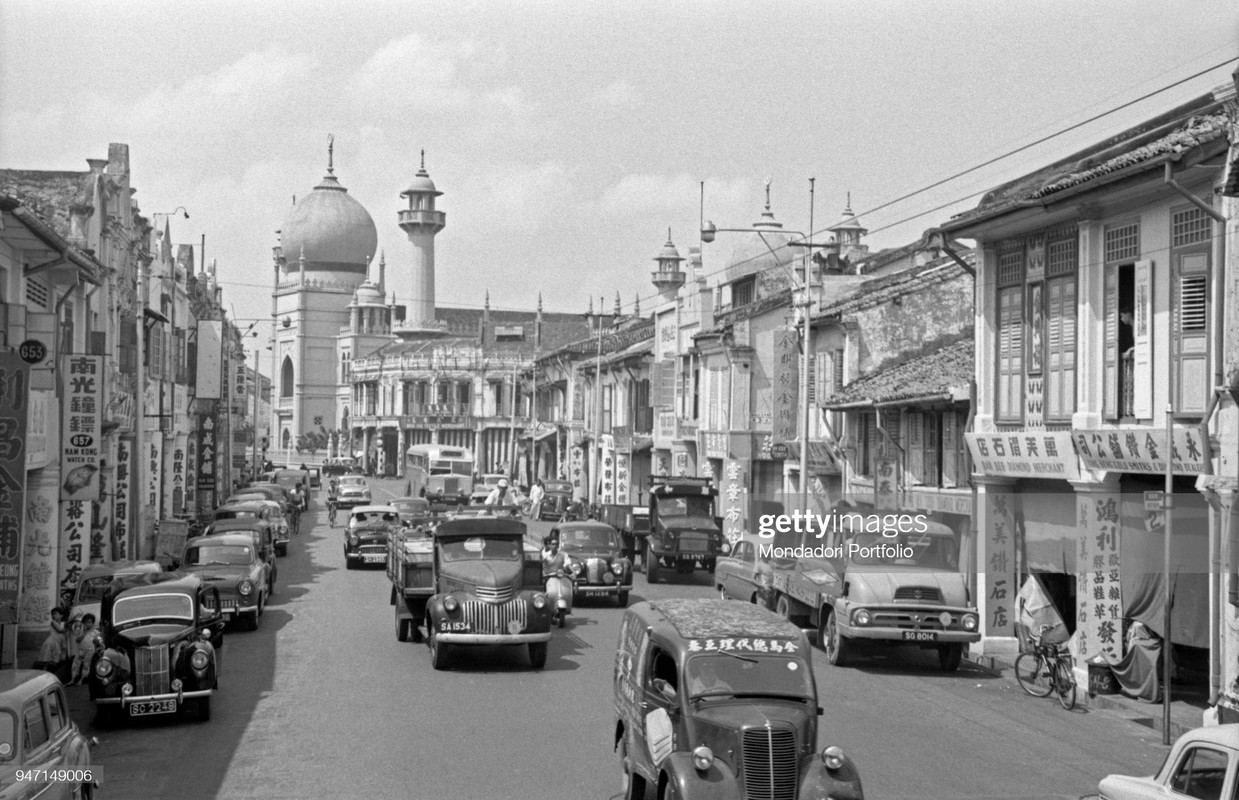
[1202, 763]
[367, 532]
[718, 700]
[265, 534]
[414, 511]
[93, 581]
[159, 635]
[273, 491]
[556, 500]
[37, 733]
[478, 497]
[231, 563]
[449, 489]
[744, 575]
[269, 510]
[593, 555]
[352, 490]
[487, 589]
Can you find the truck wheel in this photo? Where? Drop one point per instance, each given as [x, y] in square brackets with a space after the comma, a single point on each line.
[652, 571]
[949, 656]
[632, 785]
[784, 609]
[837, 646]
[250, 621]
[393, 594]
[537, 654]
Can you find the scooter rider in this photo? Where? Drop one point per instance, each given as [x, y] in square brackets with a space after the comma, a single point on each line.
[555, 573]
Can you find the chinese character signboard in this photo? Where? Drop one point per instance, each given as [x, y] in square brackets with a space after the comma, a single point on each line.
[734, 501]
[886, 484]
[785, 384]
[153, 463]
[714, 444]
[82, 428]
[38, 594]
[999, 584]
[1099, 594]
[579, 490]
[74, 541]
[621, 476]
[1024, 454]
[38, 415]
[124, 497]
[14, 406]
[606, 457]
[1140, 450]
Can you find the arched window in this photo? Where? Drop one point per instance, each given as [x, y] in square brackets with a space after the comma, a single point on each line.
[286, 378]
[286, 439]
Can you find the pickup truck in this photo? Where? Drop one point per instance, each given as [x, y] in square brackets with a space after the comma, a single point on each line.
[684, 533]
[862, 586]
[473, 581]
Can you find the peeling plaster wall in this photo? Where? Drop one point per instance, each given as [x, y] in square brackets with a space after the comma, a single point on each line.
[888, 332]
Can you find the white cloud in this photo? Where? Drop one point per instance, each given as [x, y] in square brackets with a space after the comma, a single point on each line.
[413, 72]
[620, 93]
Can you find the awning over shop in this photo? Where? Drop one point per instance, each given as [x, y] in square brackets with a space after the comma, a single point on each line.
[822, 460]
[543, 430]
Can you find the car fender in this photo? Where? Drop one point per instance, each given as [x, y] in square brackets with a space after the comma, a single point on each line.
[842, 784]
[686, 782]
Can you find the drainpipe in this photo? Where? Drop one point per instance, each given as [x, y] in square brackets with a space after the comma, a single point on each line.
[1216, 527]
[1169, 180]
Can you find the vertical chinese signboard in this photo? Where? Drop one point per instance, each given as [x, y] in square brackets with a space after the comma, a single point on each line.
[1099, 595]
[124, 497]
[578, 473]
[81, 453]
[886, 484]
[81, 442]
[205, 464]
[785, 388]
[607, 457]
[621, 477]
[999, 565]
[734, 497]
[14, 407]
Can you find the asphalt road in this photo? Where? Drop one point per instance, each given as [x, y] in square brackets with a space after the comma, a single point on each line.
[322, 701]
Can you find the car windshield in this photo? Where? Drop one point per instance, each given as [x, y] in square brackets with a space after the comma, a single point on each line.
[91, 590]
[8, 731]
[372, 518]
[730, 673]
[478, 548]
[153, 606]
[219, 554]
[588, 537]
[450, 467]
[907, 550]
[236, 513]
[684, 506]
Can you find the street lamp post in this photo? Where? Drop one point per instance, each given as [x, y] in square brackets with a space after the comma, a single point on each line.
[596, 459]
[805, 302]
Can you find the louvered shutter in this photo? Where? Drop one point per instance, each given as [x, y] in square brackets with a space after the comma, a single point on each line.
[667, 387]
[916, 462]
[950, 475]
[1191, 324]
[1110, 395]
[1142, 329]
[656, 385]
[1011, 353]
[930, 435]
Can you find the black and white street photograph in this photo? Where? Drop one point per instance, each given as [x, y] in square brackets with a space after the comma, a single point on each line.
[545, 400]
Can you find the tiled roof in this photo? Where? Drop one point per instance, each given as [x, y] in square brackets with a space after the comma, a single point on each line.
[885, 288]
[48, 194]
[933, 373]
[1190, 125]
[612, 341]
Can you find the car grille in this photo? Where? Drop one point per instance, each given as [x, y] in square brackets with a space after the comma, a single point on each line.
[594, 568]
[372, 549]
[490, 618]
[694, 543]
[150, 670]
[771, 767]
[895, 619]
[501, 594]
[919, 594]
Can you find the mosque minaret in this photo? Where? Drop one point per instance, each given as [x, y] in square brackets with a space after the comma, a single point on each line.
[421, 222]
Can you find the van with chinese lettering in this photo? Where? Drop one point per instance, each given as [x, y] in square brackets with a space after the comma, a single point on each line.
[718, 700]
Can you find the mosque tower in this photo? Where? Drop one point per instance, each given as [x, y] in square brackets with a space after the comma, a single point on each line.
[420, 222]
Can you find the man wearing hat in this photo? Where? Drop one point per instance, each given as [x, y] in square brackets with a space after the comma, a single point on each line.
[500, 496]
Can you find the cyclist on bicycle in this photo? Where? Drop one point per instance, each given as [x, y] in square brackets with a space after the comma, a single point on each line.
[331, 511]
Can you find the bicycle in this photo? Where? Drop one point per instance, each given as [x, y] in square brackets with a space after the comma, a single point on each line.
[296, 520]
[1046, 668]
[331, 513]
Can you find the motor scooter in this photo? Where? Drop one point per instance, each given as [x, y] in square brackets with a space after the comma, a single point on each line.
[559, 592]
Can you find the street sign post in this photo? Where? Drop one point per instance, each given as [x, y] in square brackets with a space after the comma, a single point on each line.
[779, 451]
[1153, 501]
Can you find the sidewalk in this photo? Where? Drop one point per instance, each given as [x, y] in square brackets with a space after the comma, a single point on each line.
[1187, 706]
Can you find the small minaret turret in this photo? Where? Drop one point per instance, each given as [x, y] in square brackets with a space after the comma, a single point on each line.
[421, 222]
[668, 278]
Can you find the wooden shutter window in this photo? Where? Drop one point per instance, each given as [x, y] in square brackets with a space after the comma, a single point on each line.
[1142, 337]
[838, 376]
[1010, 353]
[930, 435]
[1190, 325]
[1110, 366]
[1061, 341]
[916, 462]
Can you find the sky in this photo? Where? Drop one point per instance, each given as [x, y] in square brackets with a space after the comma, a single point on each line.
[569, 138]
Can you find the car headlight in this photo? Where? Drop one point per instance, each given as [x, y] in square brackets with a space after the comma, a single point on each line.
[833, 758]
[199, 659]
[970, 622]
[104, 667]
[246, 586]
[576, 568]
[450, 604]
[861, 617]
[539, 601]
[725, 547]
[703, 758]
[618, 567]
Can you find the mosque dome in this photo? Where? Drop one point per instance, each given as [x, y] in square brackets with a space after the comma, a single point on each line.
[368, 294]
[333, 231]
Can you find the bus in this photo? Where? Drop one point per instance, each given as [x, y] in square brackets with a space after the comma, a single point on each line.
[438, 472]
